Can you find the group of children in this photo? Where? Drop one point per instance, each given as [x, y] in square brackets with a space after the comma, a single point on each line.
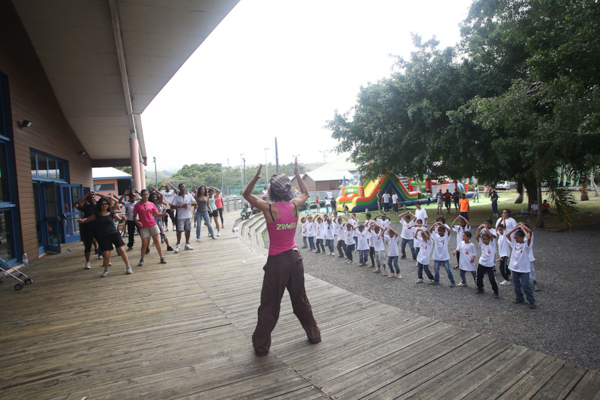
[427, 242]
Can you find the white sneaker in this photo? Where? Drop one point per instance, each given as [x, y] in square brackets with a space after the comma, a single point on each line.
[177, 249]
[197, 240]
[99, 255]
[87, 265]
[167, 229]
[105, 273]
[218, 233]
[384, 272]
[505, 283]
[128, 270]
[188, 247]
[391, 275]
[462, 284]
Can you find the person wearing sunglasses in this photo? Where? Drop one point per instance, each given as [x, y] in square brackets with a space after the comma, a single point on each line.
[144, 214]
[107, 232]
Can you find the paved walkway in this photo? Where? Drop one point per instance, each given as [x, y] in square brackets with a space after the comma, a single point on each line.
[183, 331]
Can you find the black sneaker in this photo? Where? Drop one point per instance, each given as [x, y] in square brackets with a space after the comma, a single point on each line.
[519, 301]
[169, 248]
[496, 295]
[532, 306]
[148, 250]
[479, 291]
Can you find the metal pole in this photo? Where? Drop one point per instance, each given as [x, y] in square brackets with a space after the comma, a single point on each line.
[155, 173]
[241, 166]
[276, 156]
[244, 160]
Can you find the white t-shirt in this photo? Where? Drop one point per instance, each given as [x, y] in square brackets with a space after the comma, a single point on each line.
[168, 196]
[386, 198]
[329, 228]
[395, 198]
[305, 229]
[424, 255]
[417, 240]
[534, 207]
[467, 252]
[129, 210]
[503, 247]
[385, 223]
[459, 231]
[488, 253]
[519, 258]
[510, 224]
[349, 236]
[354, 223]
[440, 253]
[327, 202]
[186, 212]
[421, 214]
[377, 239]
[320, 230]
[310, 229]
[363, 240]
[392, 246]
[407, 231]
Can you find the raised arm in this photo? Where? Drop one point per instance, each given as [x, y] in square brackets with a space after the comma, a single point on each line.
[253, 200]
[300, 200]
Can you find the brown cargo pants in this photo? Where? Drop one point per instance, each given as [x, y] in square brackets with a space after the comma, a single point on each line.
[283, 271]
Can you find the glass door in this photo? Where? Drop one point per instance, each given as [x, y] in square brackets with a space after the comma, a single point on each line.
[51, 221]
[69, 195]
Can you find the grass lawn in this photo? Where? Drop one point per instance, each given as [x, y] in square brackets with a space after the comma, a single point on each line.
[587, 218]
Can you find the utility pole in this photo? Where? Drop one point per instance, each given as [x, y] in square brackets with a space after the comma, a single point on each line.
[324, 155]
[244, 160]
[267, 162]
[155, 173]
[276, 156]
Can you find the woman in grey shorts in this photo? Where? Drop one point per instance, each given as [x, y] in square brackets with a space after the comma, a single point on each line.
[146, 223]
[202, 212]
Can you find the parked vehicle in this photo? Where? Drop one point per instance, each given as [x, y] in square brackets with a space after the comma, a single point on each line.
[506, 185]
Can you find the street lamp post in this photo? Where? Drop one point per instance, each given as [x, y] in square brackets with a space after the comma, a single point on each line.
[324, 155]
[155, 173]
[267, 162]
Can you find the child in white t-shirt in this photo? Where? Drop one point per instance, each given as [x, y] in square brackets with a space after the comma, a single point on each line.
[520, 264]
[407, 234]
[467, 259]
[362, 245]
[354, 221]
[341, 245]
[329, 236]
[503, 254]
[423, 257]
[310, 232]
[485, 240]
[320, 234]
[440, 236]
[463, 225]
[393, 253]
[304, 233]
[379, 247]
[532, 275]
[350, 243]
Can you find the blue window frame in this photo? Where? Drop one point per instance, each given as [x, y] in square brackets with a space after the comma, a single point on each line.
[11, 248]
[45, 167]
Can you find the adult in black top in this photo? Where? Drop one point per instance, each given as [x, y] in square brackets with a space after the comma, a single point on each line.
[107, 232]
[87, 206]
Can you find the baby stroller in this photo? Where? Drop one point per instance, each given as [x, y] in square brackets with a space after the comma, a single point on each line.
[8, 271]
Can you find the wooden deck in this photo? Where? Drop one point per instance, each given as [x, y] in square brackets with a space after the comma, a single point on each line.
[183, 331]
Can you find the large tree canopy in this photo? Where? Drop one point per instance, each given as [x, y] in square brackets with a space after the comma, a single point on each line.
[518, 98]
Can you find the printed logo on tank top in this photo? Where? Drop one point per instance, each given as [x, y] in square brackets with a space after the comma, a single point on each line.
[281, 227]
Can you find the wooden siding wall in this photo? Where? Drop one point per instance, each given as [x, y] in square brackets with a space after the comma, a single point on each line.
[32, 98]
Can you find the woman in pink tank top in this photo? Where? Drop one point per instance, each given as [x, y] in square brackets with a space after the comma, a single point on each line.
[284, 268]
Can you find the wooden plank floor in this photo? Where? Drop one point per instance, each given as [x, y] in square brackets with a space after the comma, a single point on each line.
[183, 331]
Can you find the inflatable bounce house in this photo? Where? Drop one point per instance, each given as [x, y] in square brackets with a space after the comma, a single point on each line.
[363, 195]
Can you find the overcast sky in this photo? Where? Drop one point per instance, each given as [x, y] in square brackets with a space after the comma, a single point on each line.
[279, 68]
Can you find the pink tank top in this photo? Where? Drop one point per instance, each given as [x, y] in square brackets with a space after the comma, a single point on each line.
[282, 233]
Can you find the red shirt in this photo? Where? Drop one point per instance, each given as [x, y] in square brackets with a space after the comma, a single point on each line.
[447, 196]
